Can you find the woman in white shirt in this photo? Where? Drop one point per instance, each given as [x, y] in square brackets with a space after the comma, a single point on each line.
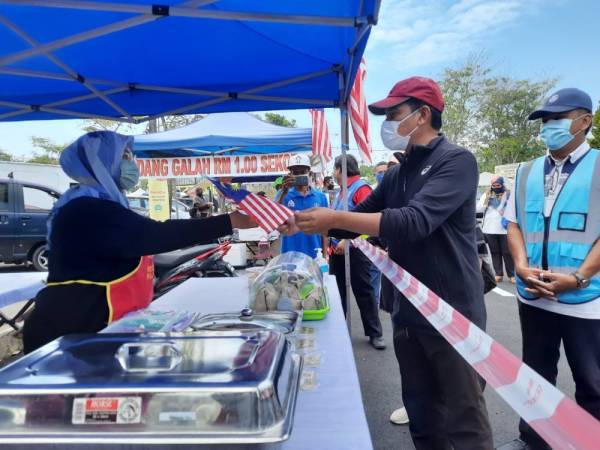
[492, 203]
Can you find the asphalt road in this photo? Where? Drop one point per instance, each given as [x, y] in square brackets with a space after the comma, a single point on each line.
[380, 377]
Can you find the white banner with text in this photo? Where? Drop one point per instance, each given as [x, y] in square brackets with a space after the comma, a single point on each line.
[215, 166]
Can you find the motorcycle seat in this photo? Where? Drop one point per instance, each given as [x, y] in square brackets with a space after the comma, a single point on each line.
[177, 257]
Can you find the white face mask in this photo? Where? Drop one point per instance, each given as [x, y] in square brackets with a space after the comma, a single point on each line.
[390, 137]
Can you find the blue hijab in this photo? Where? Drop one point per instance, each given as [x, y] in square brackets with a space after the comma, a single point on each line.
[94, 161]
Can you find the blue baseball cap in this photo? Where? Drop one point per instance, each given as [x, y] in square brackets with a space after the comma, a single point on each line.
[564, 100]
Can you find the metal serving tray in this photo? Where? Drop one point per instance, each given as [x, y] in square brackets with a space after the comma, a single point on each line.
[207, 388]
[283, 321]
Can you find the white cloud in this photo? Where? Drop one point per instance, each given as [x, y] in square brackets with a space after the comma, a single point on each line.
[419, 33]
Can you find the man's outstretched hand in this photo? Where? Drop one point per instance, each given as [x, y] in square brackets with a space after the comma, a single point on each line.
[315, 220]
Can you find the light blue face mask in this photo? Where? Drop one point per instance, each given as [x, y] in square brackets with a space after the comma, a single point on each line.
[130, 174]
[557, 133]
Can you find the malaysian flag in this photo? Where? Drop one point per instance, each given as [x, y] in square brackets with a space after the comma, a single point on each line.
[359, 115]
[266, 213]
[320, 134]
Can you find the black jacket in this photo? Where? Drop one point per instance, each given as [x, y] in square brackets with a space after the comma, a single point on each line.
[100, 240]
[428, 221]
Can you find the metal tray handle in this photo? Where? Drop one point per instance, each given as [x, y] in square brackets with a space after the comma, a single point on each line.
[148, 356]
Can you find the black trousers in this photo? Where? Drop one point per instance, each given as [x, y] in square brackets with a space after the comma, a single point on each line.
[362, 287]
[386, 299]
[442, 394]
[543, 331]
[498, 244]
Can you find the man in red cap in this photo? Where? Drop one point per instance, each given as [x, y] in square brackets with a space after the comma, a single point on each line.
[425, 210]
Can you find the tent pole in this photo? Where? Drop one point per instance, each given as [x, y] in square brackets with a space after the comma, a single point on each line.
[179, 11]
[54, 76]
[86, 35]
[220, 97]
[34, 43]
[226, 96]
[345, 141]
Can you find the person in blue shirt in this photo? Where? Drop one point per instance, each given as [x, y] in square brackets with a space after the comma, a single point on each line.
[298, 195]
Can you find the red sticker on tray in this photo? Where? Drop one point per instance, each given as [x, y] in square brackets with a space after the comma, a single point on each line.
[107, 410]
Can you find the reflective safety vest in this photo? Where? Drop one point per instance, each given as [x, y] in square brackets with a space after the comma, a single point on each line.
[352, 189]
[127, 293]
[561, 242]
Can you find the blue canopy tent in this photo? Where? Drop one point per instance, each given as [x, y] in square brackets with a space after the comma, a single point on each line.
[134, 61]
[236, 133]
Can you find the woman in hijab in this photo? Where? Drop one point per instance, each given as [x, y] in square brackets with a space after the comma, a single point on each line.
[99, 268]
[492, 203]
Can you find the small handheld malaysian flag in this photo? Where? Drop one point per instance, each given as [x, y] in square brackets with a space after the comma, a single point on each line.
[266, 213]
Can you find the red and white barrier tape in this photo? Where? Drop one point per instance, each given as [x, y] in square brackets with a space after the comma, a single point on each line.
[559, 420]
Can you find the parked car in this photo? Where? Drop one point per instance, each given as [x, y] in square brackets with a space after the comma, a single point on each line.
[24, 210]
[141, 205]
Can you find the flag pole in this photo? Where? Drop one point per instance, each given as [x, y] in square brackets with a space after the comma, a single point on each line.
[345, 144]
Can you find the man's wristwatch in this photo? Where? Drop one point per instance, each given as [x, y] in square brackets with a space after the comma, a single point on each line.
[582, 282]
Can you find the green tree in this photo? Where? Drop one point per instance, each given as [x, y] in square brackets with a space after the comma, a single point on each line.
[462, 93]
[51, 151]
[595, 139]
[5, 156]
[107, 125]
[487, 113]
[505, 134]
[165, 123]
[152, 126]
[279, 119]
[368, 173]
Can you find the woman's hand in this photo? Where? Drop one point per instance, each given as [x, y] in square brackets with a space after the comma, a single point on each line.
[239, 220]
[289, 227]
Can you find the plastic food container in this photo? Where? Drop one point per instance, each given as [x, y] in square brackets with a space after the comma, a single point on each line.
[291, 281]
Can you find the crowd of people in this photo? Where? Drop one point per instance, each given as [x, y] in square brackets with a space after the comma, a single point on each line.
[543, 235]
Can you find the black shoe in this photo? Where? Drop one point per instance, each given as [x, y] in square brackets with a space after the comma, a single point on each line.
[377, 342]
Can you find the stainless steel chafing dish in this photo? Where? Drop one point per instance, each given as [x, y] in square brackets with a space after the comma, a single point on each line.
[283, 321]
[206, 388]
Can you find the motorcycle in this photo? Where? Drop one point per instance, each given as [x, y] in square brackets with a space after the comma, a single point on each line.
[200, 261]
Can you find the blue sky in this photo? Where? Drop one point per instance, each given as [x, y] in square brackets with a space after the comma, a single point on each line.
[521, 38]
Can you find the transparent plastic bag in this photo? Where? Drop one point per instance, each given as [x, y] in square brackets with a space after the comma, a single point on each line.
[291, 281]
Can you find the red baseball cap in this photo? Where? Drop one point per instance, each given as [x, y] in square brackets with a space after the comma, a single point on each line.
[424, 89]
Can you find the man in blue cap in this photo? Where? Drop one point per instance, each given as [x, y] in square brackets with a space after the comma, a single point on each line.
[553, 237]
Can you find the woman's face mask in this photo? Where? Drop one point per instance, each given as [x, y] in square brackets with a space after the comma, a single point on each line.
[130, 172]
[391, 138]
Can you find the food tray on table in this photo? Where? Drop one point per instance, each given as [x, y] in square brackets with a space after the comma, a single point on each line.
[206, 388]
[291, 281]
[317, 314]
